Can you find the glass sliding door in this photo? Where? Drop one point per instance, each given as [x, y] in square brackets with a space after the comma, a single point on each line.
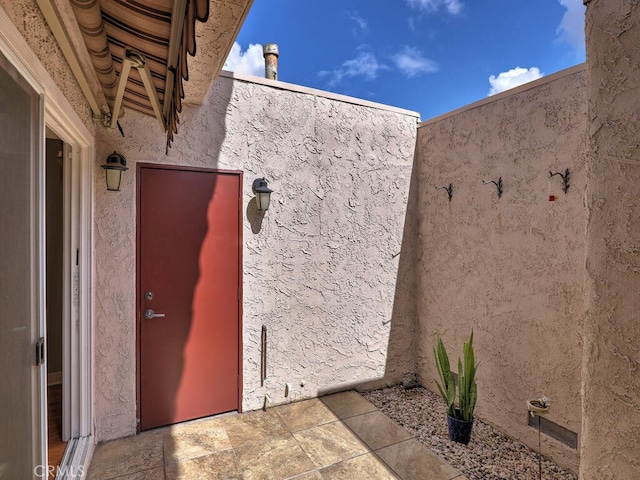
[21, 269]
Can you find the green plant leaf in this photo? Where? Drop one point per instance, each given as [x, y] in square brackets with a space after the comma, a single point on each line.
[468, 387]
[461, 391]
[473, 398]
[451, 394]
[446, 385]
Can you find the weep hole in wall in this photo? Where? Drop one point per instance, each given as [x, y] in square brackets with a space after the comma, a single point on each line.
[555, 431]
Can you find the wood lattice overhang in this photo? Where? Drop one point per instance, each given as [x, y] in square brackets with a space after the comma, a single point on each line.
[162, 31]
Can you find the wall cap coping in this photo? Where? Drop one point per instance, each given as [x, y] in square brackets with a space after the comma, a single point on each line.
[512, 91]
[318, 93]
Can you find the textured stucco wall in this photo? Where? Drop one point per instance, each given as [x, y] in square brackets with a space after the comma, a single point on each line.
[611, 368]
[511, 268]
[214, 39]
[319, 270]
[30, 22]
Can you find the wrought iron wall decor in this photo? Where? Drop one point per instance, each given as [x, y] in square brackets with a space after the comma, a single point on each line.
[498, 185]
[448, 189]
[565, 179]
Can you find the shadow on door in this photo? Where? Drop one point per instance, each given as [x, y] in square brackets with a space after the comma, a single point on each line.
[189, 286]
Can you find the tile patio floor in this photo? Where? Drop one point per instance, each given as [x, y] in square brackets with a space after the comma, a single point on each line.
[340, 436]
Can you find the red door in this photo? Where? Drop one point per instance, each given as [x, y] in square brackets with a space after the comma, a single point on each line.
[189, 225]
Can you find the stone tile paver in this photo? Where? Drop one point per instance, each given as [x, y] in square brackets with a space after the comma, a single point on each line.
[339, 436]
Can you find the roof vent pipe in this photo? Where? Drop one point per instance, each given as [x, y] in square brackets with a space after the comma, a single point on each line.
[271, 54]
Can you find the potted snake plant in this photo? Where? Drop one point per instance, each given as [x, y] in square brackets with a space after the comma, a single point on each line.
[460, 416]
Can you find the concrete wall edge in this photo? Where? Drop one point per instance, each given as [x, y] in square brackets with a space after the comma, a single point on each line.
[512, 91]
[319, 93]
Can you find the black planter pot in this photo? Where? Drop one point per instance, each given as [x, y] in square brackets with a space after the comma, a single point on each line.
[459, 430]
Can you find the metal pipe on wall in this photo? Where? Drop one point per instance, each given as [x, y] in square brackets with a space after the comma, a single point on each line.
[270, 53]
[263, 356]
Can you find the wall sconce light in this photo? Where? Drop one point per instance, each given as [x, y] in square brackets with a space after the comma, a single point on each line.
[263, 194]
[116, 164]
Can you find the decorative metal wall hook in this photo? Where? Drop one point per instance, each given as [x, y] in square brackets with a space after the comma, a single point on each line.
[448, 189]
[565, 179]
[498, 185]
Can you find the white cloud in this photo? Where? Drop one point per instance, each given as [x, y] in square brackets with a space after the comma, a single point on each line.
[411, 62]
[513, 78]
[362, 24]
[452, 6]
[412, 24]
[571, 28]
[250, 62]
[365, 65]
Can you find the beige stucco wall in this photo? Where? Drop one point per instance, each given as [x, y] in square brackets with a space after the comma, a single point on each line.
[511, 268]
[30, 22]
[320, 271]
[214, 39]
[611, 364]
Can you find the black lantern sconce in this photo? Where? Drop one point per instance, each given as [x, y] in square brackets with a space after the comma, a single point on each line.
[263, 194]
[116, 164]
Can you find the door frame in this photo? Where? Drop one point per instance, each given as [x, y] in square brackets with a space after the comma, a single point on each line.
[158, 166]
[59, 116]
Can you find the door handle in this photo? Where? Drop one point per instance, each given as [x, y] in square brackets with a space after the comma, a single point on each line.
[148, 313]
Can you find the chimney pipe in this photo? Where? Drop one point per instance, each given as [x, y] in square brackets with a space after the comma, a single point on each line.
[270, 53]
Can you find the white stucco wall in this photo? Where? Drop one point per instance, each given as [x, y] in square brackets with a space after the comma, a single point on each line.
[320, 271]
[30, 22]
[510, 268]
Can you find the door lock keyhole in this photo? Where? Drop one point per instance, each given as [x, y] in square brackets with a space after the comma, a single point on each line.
[148, 296]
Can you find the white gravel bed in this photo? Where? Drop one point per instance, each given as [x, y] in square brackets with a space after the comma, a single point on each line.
[490, 455]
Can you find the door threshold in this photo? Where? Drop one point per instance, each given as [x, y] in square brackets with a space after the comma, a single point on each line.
[76, 459]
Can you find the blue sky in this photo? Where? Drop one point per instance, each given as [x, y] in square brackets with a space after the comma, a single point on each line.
[431, 56]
